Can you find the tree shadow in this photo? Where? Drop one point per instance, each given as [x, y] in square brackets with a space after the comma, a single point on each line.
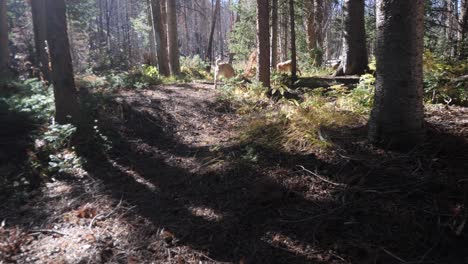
[372, 207]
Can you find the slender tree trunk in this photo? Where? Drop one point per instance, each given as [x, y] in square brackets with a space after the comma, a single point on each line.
[39, 15]
[187, 33]
[274, 33]
[319, 10]
[66, 99]
[172, 35]
[152, 42]
[263, 42]
[397, 119]
[160, 38]
[293, 42]
[354, 58]
[209, 50]
[449, 26]
[4, 50]
[310, 29]
[463, 46]
[284, 35]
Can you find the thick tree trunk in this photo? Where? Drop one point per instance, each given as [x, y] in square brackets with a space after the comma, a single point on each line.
[354, 58]
[397, 119]
[263, 42]
[160, 38]
[39, 15]
[293, 42]
[274, 33]
[209, 50]
[172, 35]
[66, 99]
[4, 50]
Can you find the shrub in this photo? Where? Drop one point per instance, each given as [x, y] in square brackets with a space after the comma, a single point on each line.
[194, 67]
[439, 84]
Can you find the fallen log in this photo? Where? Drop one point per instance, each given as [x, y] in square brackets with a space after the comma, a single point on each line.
[326, 81]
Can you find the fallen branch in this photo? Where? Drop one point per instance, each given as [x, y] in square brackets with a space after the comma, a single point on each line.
[104, 216]
[460, 79]
[39, 231]
[323, 178]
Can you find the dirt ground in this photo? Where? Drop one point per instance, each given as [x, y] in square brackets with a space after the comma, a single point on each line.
[171, 184]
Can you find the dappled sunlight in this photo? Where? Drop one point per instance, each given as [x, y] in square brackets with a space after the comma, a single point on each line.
[207, 214]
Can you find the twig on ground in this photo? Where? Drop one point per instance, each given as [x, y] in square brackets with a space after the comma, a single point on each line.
[38, 231]
[322, 178]
[102, 215]
[393, 255]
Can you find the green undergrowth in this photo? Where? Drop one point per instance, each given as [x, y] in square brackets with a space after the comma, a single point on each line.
[47, 146]
[144, 76]
[441, 84]
[298, 125]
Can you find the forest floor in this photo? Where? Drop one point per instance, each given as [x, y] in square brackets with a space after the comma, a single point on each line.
[171, 183]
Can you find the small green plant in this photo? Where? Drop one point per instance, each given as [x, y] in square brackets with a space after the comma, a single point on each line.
[33, 98]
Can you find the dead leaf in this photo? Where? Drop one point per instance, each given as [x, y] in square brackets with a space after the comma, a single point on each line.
[90, 238]
[86, 212]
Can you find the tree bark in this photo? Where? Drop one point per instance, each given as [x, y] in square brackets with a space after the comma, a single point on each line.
[274, 33]
[397, 118]
[209, 50]
[152, 53]
[310, 27]
[463, 46]
[172, 35]
[65, 93]
[449, 26]
[319, 9]
[263, 42]
[39, 14]
[4, 50]
[354, 58]
[160, 38]
[284, 35]
[293, 42]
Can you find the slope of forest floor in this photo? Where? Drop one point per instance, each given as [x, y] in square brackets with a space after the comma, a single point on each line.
[168, 181]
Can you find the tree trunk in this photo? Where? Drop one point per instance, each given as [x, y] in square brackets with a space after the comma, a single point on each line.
[66, 99]
[397, 119]
[4, 50]
[449, 27]
[284, 35]
[310, 29]
[39, 14]
[293, 43]
[463, 46]
[152, 53]
[209, 50]
[172, 35]
[354, 58]
[263, 42]
[160, 38]
[274, 33]
[318, 26]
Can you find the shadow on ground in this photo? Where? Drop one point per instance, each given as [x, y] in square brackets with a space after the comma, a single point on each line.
[365, 205]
